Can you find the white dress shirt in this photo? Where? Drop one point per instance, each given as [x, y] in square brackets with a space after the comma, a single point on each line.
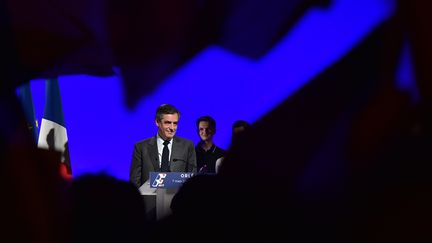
[160, 146]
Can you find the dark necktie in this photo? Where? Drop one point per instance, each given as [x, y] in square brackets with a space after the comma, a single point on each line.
[165, 157]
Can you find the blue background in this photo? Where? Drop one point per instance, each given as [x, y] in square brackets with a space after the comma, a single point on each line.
[102, 130]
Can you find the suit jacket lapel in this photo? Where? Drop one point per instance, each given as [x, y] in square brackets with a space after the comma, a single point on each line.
[175, 148]
[153, 153]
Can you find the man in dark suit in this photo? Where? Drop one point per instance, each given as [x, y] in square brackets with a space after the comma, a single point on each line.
[164, 152]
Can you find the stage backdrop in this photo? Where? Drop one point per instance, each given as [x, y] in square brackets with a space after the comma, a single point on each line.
[102, 130]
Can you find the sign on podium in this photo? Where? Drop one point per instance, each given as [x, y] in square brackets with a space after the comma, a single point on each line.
[168, 179]
[163, 185]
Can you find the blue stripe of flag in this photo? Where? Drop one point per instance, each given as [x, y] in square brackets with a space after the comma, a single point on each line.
[25, 97]
[53, 108]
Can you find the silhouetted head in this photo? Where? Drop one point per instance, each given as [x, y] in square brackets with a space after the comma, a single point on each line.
[106, 209]
[239, 126]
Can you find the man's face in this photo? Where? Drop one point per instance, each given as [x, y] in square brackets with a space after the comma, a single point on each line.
[205, 131]
[167, 126]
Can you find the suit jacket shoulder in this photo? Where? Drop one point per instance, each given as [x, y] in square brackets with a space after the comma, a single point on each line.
[144, 160]
[183, 157]
[182, 140]
[150, 140]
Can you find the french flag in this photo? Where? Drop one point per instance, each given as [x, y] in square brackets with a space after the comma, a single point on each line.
[53, 134]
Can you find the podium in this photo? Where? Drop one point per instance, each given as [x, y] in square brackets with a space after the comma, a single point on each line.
[159, 190]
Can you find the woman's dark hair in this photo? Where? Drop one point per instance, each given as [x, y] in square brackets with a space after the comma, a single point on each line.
[241, 123]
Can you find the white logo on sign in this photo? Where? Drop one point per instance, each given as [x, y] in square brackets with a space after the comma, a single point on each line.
[158, 182]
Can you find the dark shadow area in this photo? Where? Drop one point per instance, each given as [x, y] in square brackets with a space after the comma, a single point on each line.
[146, 40]
[35, 205]
[344, 159]
[106, 209]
